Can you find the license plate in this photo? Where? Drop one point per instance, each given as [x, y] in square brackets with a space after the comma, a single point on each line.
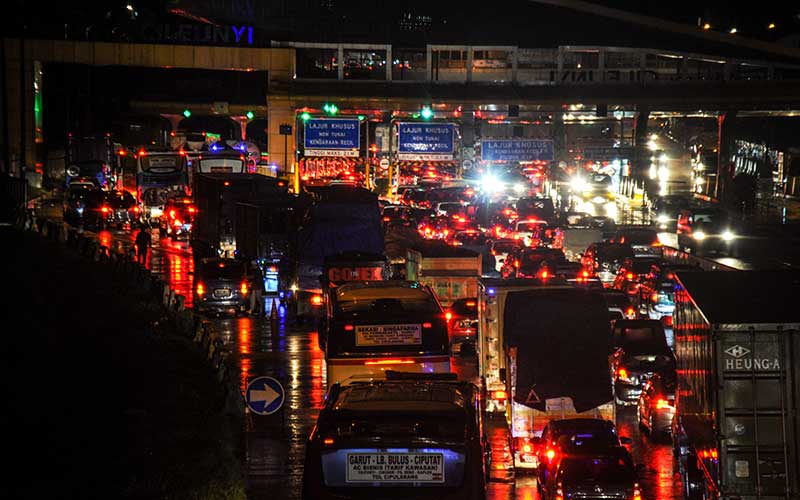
[380, 335]
[221, 293]
[395, 468]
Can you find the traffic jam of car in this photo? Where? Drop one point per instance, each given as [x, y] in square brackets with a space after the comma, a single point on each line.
[475, 330]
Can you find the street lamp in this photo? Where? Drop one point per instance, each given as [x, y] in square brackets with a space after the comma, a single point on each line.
[187, 113]
[250, 115]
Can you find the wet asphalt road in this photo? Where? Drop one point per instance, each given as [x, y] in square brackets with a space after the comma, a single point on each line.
[275, 445]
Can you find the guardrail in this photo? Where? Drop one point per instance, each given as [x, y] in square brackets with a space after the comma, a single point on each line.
[682, 257]
[127, 274]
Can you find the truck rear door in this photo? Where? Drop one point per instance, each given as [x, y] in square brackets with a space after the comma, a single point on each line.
[757, 410]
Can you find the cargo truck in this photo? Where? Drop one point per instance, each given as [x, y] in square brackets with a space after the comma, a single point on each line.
[543, 355]
[216, 196]
[335, 219]
[451, 272]
[735, 431]
[262, 235]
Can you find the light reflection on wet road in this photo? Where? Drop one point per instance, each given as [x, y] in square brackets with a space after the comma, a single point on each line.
[275, 445]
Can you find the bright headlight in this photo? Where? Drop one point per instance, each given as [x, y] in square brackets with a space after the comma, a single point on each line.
[519, 188]
[699, 235]
[579, 184]
[728, 235]
[663, 218]
[491, 184]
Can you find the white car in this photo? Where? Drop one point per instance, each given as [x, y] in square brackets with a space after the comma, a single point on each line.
[528, 231]
[500, 249]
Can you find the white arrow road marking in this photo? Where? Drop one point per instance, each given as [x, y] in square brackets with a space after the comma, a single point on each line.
[268, 395]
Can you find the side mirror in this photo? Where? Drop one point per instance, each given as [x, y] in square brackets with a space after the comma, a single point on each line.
[625, 440]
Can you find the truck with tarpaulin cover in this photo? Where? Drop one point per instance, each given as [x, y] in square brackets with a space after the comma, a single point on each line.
[331, 220]
[737, 340]
[543, 355]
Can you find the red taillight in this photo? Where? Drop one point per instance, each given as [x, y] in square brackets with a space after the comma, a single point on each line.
[622, 373]
[630, 312]
[551, 454]
[585, 274]
[348, 328]
[172, 214]
[516, 263]
[201, 290]
[316, 300]
[427, 325]
[662, 403]
[527, 448]
[448, 316]
[667, 320]
[544, 274]
[176, 223]
[105, 210]
[471, 303]
[386, 219]
[136, 209]
[192, 210]
[654, 297]
[629, 276]
[243, 288]
[327, 441]
[500, 395]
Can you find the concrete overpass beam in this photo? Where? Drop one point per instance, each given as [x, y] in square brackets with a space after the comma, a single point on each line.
[640, 135]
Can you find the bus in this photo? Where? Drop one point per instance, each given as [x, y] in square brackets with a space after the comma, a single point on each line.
[373, 326]
[160, 174]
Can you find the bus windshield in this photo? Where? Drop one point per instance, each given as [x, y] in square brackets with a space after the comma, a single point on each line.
[233, 165]
[161, 163]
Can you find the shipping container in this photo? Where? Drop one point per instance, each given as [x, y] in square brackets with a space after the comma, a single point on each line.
[735, 430]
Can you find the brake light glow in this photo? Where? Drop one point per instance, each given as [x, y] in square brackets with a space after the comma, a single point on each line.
[390, 362]
[662, 403]
[176, 222]
[551, 454]
[328, 441]
[316, 300]
[544, 274]
[500, 395]
[192, 210]
[630, 312]
[622, 373]
[637, 493]
[201, 290]
[243, 288]
[104, 209]
[448, 315]
[427, 325]
[387, 219]
[348, 328]
[654, 297]
[471, 303]
[527, 448]
[629, 276]
[667, 320]
[172, 214]
[136, 209]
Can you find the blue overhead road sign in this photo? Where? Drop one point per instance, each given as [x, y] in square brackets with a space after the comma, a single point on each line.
[264, 395]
